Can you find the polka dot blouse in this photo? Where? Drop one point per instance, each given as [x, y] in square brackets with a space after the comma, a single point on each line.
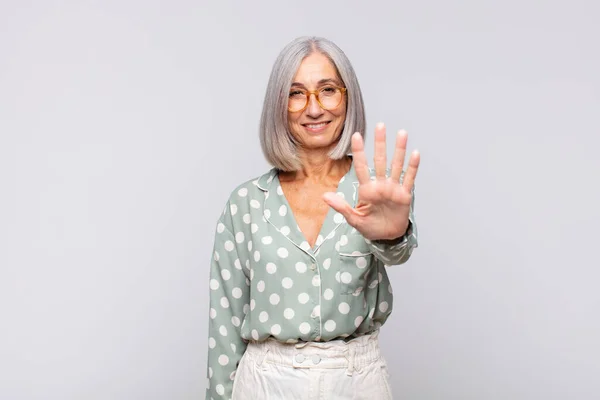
[266, 280]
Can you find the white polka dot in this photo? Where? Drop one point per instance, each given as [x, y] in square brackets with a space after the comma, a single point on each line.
[357, 292]
[276, 329]
[285, 230]
[283, 210]
[233, 209]
[254, 228]
[239, 237]
[233, 348]
[214, 284]
[390, 288]
[271, 268]
[246, 308]
[216, 256]
[301, 267]
[254, 334]
[210, 372]
[229, 246]
[383, 306]
[287, 283]
[256, 256]
[337, 276]
[251, 274]
[220, 227]
[326, 263]
[338, 218]
[254, 203]
[346, 277]
[235, 321]
[236, 293]
[288, 313]
[223, 330]
[246, 218]
[237, 264]
[224, 302]
[267, 214]
[213, 313]
[303, 298]
[373, 284]
[371, 313]
[282, 252]
[343, 240]
[316, 280]
[274, 299]
[212, 343]
[358, 321]
[316, 311]
[249, 245]
[220, 389]
[260, 286]
[304, 328]
[243, 192]
[267, 240]
[344, 308]
[330, 325]
[263, 317]
[279, 190]
[305, 246]
[223, 359]
[337, 246]
[328, 294]
[319, 240]
[225, 274]
[361, 262]
[252, 304]
[331, 234]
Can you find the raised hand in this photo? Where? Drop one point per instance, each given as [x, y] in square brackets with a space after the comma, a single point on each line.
[383, 205]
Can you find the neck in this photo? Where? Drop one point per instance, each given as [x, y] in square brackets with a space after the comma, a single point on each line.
[318, 167]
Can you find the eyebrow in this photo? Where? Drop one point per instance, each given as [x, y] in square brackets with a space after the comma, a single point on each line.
[321, 82]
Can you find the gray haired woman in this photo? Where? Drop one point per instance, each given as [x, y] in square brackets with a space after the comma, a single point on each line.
[298, 282]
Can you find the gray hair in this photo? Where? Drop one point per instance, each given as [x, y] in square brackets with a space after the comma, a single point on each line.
[276, 140]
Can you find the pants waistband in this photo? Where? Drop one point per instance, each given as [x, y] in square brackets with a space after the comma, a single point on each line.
[351, 355]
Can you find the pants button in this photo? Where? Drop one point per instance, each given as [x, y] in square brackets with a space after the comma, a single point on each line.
[300, 358]
[316, 359]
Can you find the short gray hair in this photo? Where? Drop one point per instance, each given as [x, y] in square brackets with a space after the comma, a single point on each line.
[275, 138]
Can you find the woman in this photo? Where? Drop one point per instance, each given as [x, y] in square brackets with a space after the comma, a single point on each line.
[298, 283]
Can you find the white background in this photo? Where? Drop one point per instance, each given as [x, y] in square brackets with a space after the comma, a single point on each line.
[124, 126]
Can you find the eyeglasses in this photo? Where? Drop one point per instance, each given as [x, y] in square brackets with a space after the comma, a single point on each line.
[328, 97]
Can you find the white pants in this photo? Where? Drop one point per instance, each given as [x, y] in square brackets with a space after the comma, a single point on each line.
[335, 370]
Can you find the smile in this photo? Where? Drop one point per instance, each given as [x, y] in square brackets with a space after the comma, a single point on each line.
[316, 128]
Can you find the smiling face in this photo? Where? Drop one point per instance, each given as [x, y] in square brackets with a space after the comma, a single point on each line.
[315, 128]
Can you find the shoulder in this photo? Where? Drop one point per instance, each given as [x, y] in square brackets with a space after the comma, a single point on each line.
[252, 187]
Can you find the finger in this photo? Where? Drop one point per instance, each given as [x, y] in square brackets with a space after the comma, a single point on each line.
[340, 205]
[399, 154]
[359, 159]
[380, 156]
[411, 172]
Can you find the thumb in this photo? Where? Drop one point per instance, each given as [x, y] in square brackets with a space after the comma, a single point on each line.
[340, 205]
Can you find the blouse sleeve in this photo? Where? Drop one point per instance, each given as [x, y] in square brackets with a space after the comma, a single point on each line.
[229, 298]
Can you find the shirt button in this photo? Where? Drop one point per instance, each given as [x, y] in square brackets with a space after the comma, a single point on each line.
[313, 266]
[300, 358]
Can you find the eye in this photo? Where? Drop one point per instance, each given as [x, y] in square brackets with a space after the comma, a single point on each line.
[328, 89]
[296, 93]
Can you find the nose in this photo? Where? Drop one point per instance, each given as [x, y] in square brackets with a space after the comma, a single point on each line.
[313, 109]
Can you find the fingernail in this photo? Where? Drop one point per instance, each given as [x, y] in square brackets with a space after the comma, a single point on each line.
[380, 125]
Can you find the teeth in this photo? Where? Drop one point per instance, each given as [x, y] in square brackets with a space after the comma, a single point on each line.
[316, 126]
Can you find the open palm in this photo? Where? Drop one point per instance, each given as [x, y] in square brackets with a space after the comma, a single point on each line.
[383, 205]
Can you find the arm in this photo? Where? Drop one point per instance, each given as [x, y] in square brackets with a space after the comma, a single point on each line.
[229, 294]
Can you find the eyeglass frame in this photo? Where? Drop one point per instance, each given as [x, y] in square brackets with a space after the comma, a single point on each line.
[344, 91]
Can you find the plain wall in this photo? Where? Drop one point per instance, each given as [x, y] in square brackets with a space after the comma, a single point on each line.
[125, 125]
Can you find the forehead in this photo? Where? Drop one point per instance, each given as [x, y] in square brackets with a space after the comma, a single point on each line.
[314, 68]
